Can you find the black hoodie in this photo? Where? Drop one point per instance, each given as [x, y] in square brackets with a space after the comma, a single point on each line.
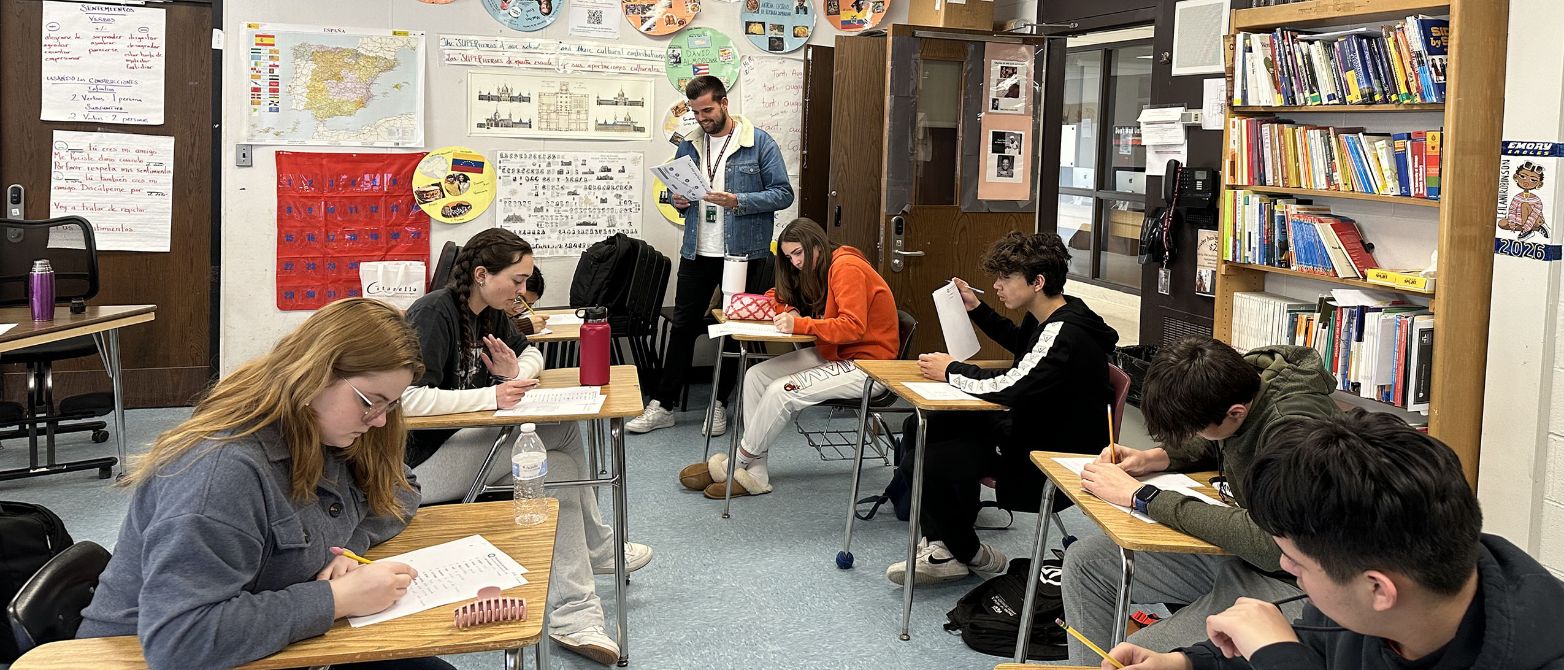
[1512, 625]
[1057, 390]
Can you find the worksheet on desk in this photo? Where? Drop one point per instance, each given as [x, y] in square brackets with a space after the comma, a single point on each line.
[448, 573]
[5, 327]
[734, 328]
[564, 320]
[568, 401]
[1167, 481]
[938, 391]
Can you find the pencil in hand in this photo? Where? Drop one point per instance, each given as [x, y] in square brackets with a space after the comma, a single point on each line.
[1113, 442]
[1077, 635]
[342, 551]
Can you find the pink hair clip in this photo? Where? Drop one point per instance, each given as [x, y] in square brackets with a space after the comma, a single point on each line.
[490, 607]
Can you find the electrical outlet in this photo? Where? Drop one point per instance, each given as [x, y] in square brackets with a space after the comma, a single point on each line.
[244, 155]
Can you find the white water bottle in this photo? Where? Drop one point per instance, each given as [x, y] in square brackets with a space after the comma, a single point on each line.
[528, 468]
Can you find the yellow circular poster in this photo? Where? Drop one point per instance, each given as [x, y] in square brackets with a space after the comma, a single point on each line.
[454, 184]
[665, 202]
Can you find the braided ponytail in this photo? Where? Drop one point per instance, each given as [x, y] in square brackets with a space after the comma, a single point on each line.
[494, 250]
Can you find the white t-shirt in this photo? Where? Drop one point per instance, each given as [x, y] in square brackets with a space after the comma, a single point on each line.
[709, 238]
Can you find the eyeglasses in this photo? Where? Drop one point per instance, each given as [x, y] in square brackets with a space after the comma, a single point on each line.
[375, 410]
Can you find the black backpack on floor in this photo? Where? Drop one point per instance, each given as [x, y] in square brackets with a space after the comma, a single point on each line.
[989, 616]
[30, 535]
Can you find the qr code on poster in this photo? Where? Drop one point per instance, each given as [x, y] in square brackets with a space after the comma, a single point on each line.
[594, 17]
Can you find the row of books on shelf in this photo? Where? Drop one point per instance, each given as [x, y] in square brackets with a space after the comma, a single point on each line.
[1277, 152]
[1382, 352]
[1400, 63]
[1260, 229]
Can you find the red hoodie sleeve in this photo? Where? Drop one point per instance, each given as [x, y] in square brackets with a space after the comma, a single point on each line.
[848, 287]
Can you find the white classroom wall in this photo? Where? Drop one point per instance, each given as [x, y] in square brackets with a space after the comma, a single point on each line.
[1521, 468]
[250, 321]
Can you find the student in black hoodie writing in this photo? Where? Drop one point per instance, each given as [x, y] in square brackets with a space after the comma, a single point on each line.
[1376, 521]
[1057, 392]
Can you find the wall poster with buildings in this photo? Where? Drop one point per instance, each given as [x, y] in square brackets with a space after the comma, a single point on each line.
[538, 105]
[563, 202]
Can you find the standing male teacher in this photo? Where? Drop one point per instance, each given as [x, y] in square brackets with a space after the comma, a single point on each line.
[749, 185]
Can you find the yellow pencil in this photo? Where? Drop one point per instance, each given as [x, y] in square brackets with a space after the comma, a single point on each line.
[1113, 442]
[524, 304]
[1089, 644]
[343, 551]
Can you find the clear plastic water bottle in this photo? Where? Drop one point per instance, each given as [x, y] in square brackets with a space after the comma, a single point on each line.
[528, 468]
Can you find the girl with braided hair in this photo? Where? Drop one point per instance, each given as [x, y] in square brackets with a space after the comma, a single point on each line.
[469, 344]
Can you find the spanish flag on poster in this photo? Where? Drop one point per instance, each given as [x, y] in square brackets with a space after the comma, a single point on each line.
[463, 161]
[265, 40]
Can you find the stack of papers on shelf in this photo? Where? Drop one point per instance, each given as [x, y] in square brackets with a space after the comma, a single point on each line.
[448, 573]
[1167, 481]
[938, 391]
[567, 401]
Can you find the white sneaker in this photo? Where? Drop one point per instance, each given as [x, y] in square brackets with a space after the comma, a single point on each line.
[653, 418]
[593, 643]
[989, 560]
[636, 557]
[935, 564]
[719, 421]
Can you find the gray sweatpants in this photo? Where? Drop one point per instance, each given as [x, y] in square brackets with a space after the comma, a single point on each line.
[1205, 585]
[581, 540]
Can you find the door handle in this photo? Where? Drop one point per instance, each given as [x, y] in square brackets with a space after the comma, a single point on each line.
[899, 252]
[836, 218]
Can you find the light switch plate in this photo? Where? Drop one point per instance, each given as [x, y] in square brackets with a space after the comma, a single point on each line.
[244, 155]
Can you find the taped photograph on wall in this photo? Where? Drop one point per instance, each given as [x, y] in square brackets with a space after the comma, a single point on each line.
[1009, 82]
[522, 104]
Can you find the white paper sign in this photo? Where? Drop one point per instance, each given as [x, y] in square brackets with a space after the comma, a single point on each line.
[396, 282]
[102, 63]
[960, 340]
[773, 94]
[1213, 100]
[122, 184]
[564, 202]
[595, 18]
[1161, 125]
[683, 178]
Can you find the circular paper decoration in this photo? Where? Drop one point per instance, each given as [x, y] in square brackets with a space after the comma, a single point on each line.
[699, 51]
[659, 17]
[525, 15]
[454, 184]
[679, 122]
[665, 202]
[851, 16]
[777, 26]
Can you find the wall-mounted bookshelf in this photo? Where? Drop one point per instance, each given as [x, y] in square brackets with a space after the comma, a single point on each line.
[1459, 225]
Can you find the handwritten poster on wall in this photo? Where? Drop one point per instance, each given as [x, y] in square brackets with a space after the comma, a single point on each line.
[563, 202]
[120, 183]
[103, 63]
[773, 98]
[521, 104]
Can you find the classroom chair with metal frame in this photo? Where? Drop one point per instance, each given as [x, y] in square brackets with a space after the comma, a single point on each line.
[842, 441]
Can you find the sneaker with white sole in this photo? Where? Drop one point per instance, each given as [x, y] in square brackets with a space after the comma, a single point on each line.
[653, 418]
[935, 564]
[636, 557]
[593, 643]
[719, 421]
[989, 560]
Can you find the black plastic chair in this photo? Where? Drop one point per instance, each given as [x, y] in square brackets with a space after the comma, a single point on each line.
[442, 266]
[48, 606]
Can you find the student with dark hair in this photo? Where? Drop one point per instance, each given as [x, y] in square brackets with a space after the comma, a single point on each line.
[1057, 392]
[522, 310]
[1377, 523]
[826, 290]
[469, 347]
[1211, 408]
[750, 185]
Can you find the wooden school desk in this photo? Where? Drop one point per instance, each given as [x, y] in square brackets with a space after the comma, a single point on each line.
[623, 401]
[103, 324]
[894, 375]
[556, 344]
[1034, 666]
[427, 633]
[737, 411]
[1130, 533]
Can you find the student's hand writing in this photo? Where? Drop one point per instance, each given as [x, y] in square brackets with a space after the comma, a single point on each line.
[338, 566]
[969, 299]
[1135, 462]
[1109, 482]
[1248, 626]
[932, 366]
[785, 321]
[507, 394]
[371, 588]
[679, 201]
[499, 357]
[1140, 658]
[539, 322]
[722, 199]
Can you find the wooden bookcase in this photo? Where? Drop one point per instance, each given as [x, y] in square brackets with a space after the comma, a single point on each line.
[1472, 118]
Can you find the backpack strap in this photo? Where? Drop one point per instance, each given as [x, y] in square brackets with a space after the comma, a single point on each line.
[877, 500]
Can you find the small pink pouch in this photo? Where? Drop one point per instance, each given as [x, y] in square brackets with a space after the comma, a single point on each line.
[490, 607]
[750, 307]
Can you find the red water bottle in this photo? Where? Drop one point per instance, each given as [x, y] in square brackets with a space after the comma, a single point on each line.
[595, 335]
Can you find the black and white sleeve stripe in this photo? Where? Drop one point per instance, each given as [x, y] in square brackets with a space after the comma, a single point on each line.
[1039, 351]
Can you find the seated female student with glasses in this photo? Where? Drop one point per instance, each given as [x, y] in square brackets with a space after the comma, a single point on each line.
[826, 290]
[225, 554]
[469, 346]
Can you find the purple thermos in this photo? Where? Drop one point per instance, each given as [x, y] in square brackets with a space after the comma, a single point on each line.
[40, 290]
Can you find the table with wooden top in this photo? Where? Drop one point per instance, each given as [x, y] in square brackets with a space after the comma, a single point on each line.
[428, 633]
[737, 412]
[894, 375]
[1130, 533]
[103, 324]
[622, 401]
[1034, 666]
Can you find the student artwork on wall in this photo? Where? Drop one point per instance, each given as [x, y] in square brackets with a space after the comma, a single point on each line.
[679, 122]
[777, 26]
[853, 16]
[660, 17]
[1006, 123]
[699, 51]
[454, 184]
[563, 202]
[524, 104]
[337, 210]
[525, 15]
[1528, 223]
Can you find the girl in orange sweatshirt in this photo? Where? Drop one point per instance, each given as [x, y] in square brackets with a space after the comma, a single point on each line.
[831, 292]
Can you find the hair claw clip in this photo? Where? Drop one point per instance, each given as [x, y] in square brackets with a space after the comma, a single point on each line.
[490, 607]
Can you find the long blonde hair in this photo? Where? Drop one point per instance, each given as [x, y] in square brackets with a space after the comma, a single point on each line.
[346, 338]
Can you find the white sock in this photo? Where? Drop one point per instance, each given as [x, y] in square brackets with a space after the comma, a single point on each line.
[746, 459]
[758, 470]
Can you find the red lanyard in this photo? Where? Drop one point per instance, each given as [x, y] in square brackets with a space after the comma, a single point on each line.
[711, 168]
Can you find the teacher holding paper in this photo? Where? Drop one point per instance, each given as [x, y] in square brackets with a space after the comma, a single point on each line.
[748, 185]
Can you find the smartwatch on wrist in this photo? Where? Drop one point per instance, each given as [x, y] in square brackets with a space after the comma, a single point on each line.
[1143, 497]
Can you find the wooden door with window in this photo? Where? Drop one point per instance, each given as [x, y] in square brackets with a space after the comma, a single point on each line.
[170, 360]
